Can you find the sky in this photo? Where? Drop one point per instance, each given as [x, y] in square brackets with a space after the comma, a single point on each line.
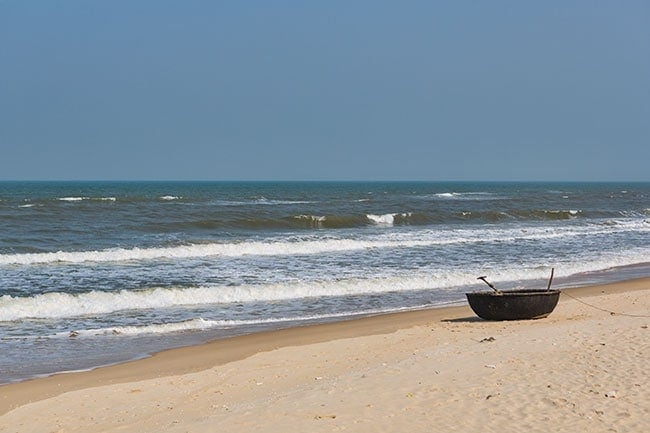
[329, 90]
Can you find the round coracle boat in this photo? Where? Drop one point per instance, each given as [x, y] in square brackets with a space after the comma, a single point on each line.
[513, 304]
[519, 304]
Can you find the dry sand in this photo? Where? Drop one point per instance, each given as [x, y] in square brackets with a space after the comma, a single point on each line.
[580, 369]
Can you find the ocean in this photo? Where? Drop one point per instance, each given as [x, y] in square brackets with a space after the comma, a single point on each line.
[96, 273]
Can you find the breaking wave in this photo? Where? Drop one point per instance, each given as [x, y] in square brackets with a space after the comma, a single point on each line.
[466, 196]
[74, 199]
[532, 214]
[61, 305]
[57, 305]
[199, 324]
[310, 246]
[389, 219]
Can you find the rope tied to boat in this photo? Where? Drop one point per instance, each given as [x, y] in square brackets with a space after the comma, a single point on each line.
[612, 313]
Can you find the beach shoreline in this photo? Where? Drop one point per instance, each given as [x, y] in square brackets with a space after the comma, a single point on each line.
[18, 399]
[196, 261]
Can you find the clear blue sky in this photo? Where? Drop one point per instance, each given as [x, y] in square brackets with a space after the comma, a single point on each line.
[339, 90]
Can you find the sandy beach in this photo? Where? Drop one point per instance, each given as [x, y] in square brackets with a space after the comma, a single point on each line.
[580, 369]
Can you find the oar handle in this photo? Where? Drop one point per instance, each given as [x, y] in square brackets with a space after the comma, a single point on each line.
[483, 278]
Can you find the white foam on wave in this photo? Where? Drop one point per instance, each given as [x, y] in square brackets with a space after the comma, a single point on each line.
[318, 218]
[271, 202]
[314, 220]
[75, 199]
[158, 328]
[570, 212]
[382, 220]
[64, 305]
[258, 202]
[321, 246]
[61, 305]
[387, 220]
[204, 250]
[199, 324]
[169, 197]
[465, 196]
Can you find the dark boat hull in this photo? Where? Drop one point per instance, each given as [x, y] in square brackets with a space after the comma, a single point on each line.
[513, 304]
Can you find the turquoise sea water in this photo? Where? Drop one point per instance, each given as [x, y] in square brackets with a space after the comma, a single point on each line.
[93, 273]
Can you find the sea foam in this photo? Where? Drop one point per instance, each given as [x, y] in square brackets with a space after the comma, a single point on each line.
[322, 246]
[387, 219]
[75, 199]
[57, 305]
[200, 323]
[60, 305]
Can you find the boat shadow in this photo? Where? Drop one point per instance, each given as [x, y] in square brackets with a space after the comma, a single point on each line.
[470, 319]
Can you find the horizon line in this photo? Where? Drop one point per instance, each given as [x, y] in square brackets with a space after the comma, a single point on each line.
[331, 180]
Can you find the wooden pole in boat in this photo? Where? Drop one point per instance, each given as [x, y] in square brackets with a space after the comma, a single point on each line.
[550, 280]
[483, 278]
